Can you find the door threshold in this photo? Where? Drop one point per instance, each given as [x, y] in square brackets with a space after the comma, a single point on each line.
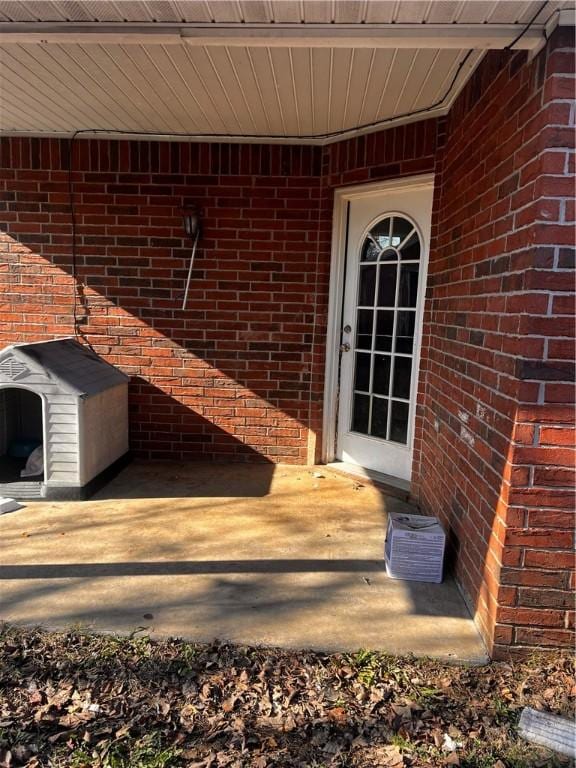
[394, 485]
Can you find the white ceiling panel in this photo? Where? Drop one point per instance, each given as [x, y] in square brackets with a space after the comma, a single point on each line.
[193, 11]
[290, 11]
[376, 84]
[280, 11]
[442, 12]
[225, 11]
[254, 12]
[346, 12]
[321, 88]
[240, 91]
[410, 13]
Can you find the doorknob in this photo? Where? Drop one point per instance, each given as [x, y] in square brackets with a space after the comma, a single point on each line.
[345, 347]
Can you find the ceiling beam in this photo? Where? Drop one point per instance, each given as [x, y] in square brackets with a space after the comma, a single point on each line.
[412, 36]
[459, 36]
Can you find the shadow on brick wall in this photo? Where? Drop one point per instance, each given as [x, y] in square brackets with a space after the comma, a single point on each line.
[227, 379]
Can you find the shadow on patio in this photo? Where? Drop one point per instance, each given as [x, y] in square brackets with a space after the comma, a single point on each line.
[298, 565]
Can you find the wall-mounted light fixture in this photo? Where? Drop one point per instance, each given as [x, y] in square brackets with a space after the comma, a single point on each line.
[191, 221]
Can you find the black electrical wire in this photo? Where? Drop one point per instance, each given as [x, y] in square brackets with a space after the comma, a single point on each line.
[510, 46]
[73, 234]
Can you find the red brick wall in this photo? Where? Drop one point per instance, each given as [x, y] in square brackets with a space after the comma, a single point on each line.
[229, 377]
[239, 374]
[537, 598]
[537, 592]
[494, 445]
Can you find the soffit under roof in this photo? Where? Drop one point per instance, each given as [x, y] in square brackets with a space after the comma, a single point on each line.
[279, 11]
[237, 86]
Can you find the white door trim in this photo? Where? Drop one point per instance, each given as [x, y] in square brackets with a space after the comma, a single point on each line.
[342, 197]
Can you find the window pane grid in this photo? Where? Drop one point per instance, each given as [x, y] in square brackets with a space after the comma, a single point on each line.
[393, 366]
[403, 261]
[392, 402]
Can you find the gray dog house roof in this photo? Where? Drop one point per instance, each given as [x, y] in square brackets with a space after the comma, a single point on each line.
[65, 363]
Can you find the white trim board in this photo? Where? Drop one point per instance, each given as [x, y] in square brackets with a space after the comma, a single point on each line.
[371, 35]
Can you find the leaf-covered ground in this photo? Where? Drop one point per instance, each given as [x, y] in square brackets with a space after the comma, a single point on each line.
[79, 699]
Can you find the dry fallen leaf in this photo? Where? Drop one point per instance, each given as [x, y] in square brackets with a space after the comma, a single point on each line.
[337, 714]
[391, 757]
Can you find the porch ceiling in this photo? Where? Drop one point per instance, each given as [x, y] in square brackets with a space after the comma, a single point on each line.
[302, 71]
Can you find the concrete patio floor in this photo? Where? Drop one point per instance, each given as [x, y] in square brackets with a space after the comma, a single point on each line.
[266, 555]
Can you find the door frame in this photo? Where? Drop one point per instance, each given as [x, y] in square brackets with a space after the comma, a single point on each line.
[342, 197]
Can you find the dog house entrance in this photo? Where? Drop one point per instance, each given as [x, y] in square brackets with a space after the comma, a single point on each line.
[21, 435]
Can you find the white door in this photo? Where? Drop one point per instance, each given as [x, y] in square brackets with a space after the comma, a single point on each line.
[388, 235]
